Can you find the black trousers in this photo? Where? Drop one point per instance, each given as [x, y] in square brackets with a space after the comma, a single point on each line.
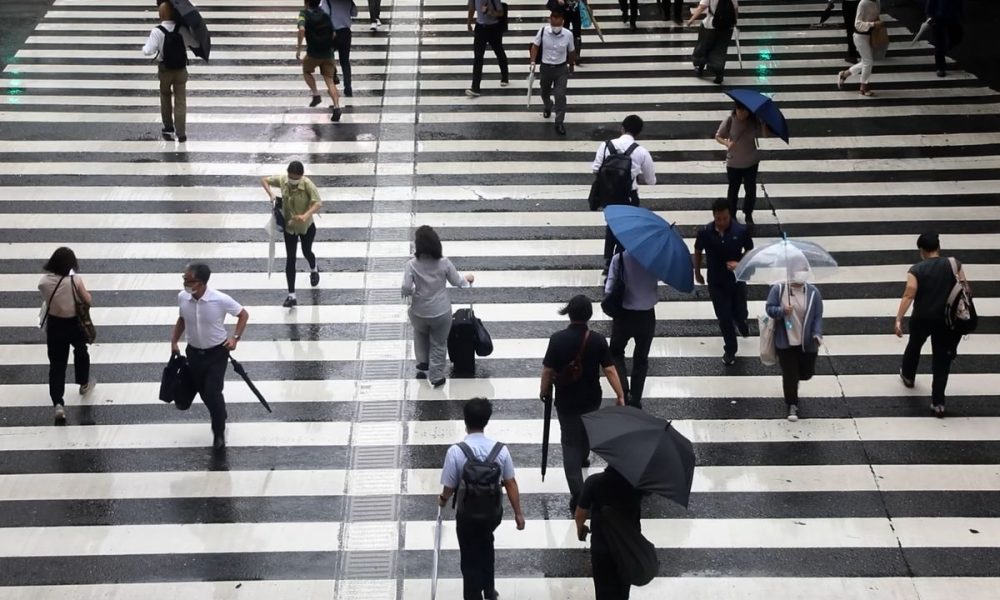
[944, 349]
[608, 585]
[796, 366]
[60, 334]
[947, 33]
[712, 48]
[575, 448]
[730, 304]
[342, 43]
[475, 543]
[208, 373]
[574, 25]
[291, 254]
[492, 36]
[850, 9]
[630, 10]
[374, 9]
[640, 325]
[611, 244]
[746, 177]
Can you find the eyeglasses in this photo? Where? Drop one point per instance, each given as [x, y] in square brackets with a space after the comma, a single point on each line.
[186, 280]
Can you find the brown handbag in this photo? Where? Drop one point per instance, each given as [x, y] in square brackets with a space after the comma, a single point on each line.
[83, 315]
[572, 372]
[880, 37]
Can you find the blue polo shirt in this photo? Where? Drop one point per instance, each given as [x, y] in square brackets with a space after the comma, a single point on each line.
[732, 244]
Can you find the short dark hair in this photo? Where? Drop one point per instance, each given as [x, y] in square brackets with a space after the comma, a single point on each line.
[579, 308]
[427, 243]
[929, 242]
[62, 261]
[557, 12]
[477, 412]
[200, 271]
[719, 205]
[312, 3]
[632, 125]
[295, 167]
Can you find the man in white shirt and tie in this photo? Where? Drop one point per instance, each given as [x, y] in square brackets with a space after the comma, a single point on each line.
[553, 46]
[643, 171]
[202, 318]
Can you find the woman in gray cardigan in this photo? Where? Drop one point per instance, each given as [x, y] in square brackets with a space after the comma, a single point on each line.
[425, 281]
[797, 308]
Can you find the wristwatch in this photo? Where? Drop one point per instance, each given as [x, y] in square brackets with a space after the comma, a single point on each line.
[236, 337]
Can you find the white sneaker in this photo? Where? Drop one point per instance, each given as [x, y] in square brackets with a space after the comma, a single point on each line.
[793, 413]
[504, 83]
[60, 413]
[375, 25]
[88, 387]
[472, 94]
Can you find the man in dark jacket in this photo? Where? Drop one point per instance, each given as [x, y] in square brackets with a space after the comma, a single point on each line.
[946, 25]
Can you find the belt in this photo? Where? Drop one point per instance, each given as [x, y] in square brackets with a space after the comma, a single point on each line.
[205, 350]
[562, 64]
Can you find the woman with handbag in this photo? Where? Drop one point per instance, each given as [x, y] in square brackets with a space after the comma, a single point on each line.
[797, 308]
[867, 26]
[66, 299]
[425, 281]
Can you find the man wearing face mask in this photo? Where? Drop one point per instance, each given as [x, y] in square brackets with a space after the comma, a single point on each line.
[202, 319]
[797, 308]
[555, 48]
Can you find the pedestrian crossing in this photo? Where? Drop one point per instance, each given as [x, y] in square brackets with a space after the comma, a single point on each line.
[332, 495]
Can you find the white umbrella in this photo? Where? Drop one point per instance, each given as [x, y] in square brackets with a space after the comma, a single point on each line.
[270, 227]
[531, 83]
[437, 553]
[739, 49]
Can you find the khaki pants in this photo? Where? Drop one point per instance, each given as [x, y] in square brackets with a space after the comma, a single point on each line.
[173, 99]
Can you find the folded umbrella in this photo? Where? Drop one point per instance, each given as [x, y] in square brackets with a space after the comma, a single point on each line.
[646, 450]
[654, 243]
[781, 259]
[739, 49]
[437, 553]
[243, 373]
[187, 15]
[924, 33]
[546, 428]
[764, 109]
[531, 83]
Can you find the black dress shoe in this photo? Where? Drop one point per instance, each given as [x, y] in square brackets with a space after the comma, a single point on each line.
[439, 382]
[314, 278]
[348, 91]
[718, 79]
[748, 219]
[167, 134]
[219, 441]
[560, 129]
[422, 366]
[546, 113]
[316, 101]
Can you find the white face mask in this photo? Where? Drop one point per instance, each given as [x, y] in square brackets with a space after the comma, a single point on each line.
[800, 277]
[293, 181]
[556, 30]
[189, 289]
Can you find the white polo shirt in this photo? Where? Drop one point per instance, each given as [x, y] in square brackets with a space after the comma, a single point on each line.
[555, 46]
[205, 318]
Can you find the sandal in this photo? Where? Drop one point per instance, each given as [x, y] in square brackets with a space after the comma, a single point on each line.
[841, 78]
[865, 91]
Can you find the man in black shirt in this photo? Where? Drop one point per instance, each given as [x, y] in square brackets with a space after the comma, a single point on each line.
[928, 285]
[606, 489]
[725, 242]
[576, 396]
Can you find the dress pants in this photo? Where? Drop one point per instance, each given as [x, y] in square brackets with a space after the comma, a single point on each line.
[608, 584]
[575, 449]
[173, 99]
[850, 10]
[796, 366]
[640, 325]
[374, 9]
[475, 544]
[430, 343]
[553, 79]
[947, 33]
[611, 244]
[630, 10]
[712, 48]
[60, 334]
[730, 304]
[944, 349]
[342, 43]
[574, 25]
[746, 177]
[208, 373]
[492, 36]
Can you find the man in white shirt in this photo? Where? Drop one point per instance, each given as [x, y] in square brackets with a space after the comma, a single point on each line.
[475, 534]
[643, 171]
[169, 44]
[553, 46]
[716, 32]
[202, 318]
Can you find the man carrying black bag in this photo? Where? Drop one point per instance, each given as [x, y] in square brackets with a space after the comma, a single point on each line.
[176, 384]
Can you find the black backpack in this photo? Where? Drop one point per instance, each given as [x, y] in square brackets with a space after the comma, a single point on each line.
[174, 51]
[479, 497]
[960, 312]
[724, 16]
[613, 183]
[634, 556]
[319, 30]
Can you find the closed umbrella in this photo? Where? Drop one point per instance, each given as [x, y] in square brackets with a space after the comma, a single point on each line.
[187, 15]
[826, 13]
[546, 427]
[779, 260]
[654, 243]
[437, 554]
[764, 109]
[253, 388]
[646, 450]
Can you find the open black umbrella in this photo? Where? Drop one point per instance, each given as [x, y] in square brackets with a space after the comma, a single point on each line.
[243, 373]
[187, 15]
[646, 450]
[546, 426]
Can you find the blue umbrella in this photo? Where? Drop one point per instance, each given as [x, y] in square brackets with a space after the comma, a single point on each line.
[764, 109]
[654, 243]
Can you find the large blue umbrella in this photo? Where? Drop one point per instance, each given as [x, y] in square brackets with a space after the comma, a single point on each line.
[654, 243]
[764, 109]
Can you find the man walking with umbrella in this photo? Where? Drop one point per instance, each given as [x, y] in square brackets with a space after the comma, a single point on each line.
[168, 43]
[202, 318]
[724, 241]
[573, 363]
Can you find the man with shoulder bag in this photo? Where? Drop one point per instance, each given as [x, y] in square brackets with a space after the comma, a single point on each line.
[554, 48]
[573, 363]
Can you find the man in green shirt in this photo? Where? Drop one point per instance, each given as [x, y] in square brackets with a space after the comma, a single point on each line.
[299, 202]
[317, 31]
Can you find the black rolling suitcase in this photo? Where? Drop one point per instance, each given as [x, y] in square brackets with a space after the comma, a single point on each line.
[462, 342]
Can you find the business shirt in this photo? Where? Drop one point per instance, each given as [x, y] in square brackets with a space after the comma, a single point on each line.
[426, 280]
[154, 44]
[483, 9]
[339, 11]
[642, 161]
[555, 47]
[712, 5]
[640, 284]
[205, 317]
[720, 248]
[481, 446]
[295, 200]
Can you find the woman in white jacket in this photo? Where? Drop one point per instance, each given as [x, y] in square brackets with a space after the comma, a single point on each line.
[865, 20]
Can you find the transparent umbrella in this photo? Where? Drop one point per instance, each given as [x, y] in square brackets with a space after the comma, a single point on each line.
[781, 259]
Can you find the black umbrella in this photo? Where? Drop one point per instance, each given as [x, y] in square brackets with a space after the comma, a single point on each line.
[546, 426]
[646, 450]
[243, 373]
[186, 15]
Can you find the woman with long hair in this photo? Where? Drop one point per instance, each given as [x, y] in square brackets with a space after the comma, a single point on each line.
[61, 289]
[425, 281]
